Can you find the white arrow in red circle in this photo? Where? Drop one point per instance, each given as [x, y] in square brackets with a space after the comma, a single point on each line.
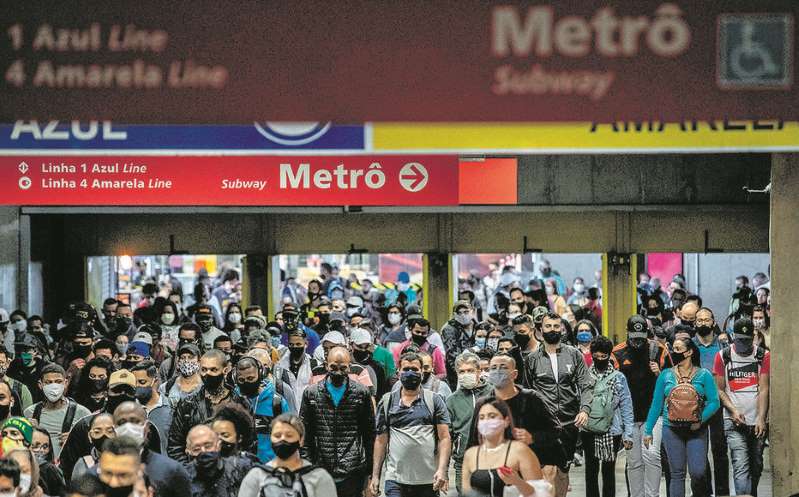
[413, 177]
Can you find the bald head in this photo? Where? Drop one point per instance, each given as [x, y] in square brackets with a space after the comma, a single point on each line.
[201, 438]
[338, 355]
[688, 311]
[262, 356]
[130, 412]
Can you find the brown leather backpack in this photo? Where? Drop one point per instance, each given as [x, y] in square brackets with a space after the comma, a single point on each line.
[684, 403]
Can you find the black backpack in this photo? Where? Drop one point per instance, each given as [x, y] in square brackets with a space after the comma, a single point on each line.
[280, 482]
[66, 425]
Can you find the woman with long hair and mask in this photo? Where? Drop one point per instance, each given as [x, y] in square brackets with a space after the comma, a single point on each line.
[101, 429]
[234, 425]
[288, 472]
[584, 332]
[556, 302]
[169, 320]
[51, 479]
[91, 388]
[234, 322]
[28, 473]
[495, 460]
[394, 331]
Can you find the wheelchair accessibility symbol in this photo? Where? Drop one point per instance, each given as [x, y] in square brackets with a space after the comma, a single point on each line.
[755, 51]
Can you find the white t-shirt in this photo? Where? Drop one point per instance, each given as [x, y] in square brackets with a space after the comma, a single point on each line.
[554, 359]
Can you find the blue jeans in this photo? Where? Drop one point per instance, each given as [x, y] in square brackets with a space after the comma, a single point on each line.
[686, 447]
[746, 451]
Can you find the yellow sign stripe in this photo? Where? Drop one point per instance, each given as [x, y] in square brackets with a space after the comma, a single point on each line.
[576, 136]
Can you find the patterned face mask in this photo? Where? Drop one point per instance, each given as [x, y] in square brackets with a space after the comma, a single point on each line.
[188, 368]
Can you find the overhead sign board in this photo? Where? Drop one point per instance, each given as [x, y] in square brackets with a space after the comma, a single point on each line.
[204, 62]
[220, 181]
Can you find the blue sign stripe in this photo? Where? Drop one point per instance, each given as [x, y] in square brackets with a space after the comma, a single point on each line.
[173, 137]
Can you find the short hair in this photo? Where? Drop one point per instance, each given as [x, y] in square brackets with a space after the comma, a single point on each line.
[290, 419]
[743, 278]
[524, 319]
[10, 469]
[217, 355]
[230, 275]
[222, 338]
[122, 446]
[52, 368]
[467, 357]
[148, 366]
[506, 339]
[86, 484]
[552, 315]
[105, 343]
[240, 417]
[110, 301]
[190, 326]
[602, 344]
[411, 357]
[298, 333]
[252, 308]
[506, 357]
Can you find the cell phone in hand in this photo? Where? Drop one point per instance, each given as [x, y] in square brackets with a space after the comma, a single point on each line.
[505, 470]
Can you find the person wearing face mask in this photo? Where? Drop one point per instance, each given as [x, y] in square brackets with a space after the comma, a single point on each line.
[234, 322]
[16, 387]
[496, 460]
[10, 478]
[254, 384]
[167, 476]
[429, 380]
[138, 351]
[79, 346]
[458, 336]
[211, 473]
[685, 444]
[28, 364]
[169, 321]
[686, 314]
[761, 322]
[461, 406]
[56, 413]
[120, 470]
[584, 332]
[641, 360]
[159, 412]
[742, 373]
[420, 337]
[188, 333]
[579, 295]
[198, 407]
[339, 425]
[357, 372]
[393, 332]
[288, 473]
[123, 321]
[707, 342]
[362, 348]
[559, 372]
[413, 437]
[91, 388]
[292, 322]
[121, 388]
[298, 363]
[18, 322]
[101, 429]
[611, 421]
[556, 302]
[204, 318]
[51, 480]
[28, 473]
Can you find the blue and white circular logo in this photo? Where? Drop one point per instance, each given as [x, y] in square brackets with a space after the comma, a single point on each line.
[292, 133]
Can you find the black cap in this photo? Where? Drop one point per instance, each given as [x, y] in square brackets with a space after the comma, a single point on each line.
[744, 326]
[637, 324]
[189, 347]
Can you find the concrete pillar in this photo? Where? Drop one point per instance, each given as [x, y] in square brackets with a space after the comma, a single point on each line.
[784, 233]
[619, 297]
[436, 289]
[254, 285]
[9, 257]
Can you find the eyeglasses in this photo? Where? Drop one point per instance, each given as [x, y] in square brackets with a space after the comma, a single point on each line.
[37, 447]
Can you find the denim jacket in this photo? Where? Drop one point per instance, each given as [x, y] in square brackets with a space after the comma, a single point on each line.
[623, 422]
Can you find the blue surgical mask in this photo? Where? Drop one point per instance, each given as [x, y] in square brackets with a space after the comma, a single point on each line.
[275, 341]
[584, 336]
[480, 342]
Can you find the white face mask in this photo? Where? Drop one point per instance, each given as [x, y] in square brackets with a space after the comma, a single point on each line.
[550, 290]
[467, 381]
[759, 323]
[579, 288]
[53, 391]
[394, 318]
[234, 317]
[167, 319]
[132, 430]
[24, 483]
[463, 319]
[514, 315]
[20, 325]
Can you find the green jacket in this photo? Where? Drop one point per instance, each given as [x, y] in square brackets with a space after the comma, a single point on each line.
[21, 390]
[384, 357]
[461, 408]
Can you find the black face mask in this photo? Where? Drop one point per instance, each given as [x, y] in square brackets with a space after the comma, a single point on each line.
[426, 376]
[677, 357]
[94, 404]
[207, 463]
[122, 324]
[205, 324]
[114, 401]
[97, 443]
[601, 365]
[361, 356]
[552, 337]
[211, 382]
[284, 450]
[410, 379]
[250, 388]
[324, 319]
[144, 394]
[688, 323]
[82, 350]
[521, 340]
[228, 449]
[637, 344]
[4, 410]
[419, 340]
[337, 379]
[99, 385]
[704, 330]
[123, 491]
[296, 352]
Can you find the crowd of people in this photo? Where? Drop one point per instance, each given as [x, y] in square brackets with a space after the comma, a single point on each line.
[349, 391]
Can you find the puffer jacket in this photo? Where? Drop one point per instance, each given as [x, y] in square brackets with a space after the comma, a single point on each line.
[193, 410]
[573, 390]
[339, 438]
[456, 340]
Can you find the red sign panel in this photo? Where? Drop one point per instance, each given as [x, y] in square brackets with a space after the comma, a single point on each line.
[466, 60]
[245, 180]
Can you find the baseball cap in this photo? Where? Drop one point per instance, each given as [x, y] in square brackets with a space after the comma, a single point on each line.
[139, 348]
[744, 327]
[3, 316]
[143, 337]
[334, 337]
[360, 336]
[122, 377]
[355, 301]
[539, 313]
[190, 348]
[461, 304]
[637, 327]
[257, 321]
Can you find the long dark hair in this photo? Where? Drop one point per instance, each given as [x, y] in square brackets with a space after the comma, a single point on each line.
[499, 405]
[690, 345]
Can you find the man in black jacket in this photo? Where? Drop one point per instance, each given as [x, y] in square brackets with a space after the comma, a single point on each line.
[340, 425]
[199, 407]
